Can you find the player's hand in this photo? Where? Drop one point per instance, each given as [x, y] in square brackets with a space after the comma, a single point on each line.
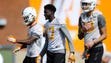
[87, 26]
[11, 39]
[71, 58]
[89, 44]
[18, 48]
[38, 59]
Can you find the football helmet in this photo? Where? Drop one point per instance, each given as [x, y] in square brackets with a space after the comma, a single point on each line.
[29, 15]
[90, 3]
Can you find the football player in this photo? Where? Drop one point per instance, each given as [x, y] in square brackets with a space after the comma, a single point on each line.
[92, 27]
[55, 33]
[35, 38]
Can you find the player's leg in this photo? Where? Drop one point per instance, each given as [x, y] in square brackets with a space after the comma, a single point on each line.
[50, 57]
[26, 60]
[33, 60]
[29, 60]
[95, 55]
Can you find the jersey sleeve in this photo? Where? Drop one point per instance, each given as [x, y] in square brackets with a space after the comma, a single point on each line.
[101, 21]
[37, 32]
[67, 34]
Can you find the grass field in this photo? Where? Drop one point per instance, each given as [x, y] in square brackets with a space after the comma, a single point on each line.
[7, 56]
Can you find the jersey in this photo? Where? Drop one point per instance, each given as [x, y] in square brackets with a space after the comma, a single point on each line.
[35, 48]
[97, 21]
[56, 39]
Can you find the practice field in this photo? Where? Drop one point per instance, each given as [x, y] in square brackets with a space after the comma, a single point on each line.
[21, 54]
[7, 56]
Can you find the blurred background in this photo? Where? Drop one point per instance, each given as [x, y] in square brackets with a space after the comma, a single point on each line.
[11, 23]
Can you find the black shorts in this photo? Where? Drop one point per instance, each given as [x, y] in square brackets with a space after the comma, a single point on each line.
[96, 54]
[55, 57]
[29, 60]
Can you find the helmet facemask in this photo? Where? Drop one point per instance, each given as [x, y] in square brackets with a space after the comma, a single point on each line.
[28, 19]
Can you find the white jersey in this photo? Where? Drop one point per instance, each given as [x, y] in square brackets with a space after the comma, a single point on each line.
[34, 49]
[94, 32]
[56, 39]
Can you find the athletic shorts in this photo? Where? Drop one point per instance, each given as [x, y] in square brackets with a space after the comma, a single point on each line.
[55, 57]
[96, 54]
[29, 60]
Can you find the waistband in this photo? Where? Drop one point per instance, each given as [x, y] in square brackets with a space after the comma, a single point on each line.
[98, 45]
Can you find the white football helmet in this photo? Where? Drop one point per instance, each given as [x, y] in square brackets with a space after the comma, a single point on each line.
[92, 5]
[29, 15]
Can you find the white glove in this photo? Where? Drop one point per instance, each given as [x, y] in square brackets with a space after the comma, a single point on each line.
[11, 39]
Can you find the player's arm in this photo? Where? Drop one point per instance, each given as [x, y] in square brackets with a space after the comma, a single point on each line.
[44, 49]
[67, 34]
[42, 53]
[18, 48]
[102, 28]
[23, 46]
[80, 31]
[27, 41]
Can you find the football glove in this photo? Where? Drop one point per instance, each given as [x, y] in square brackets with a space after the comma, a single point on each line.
[11, 39]
[71, 58]
[18, 48]
[86, 54]
[38, 59]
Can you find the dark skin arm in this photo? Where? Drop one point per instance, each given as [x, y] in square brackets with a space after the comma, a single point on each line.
[18, 48]
[44, 50]
[27, 41]
[81, 31]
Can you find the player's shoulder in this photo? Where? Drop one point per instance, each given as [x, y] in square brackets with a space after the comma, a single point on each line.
[97, 13]
[46, 24]
[56, 21]
[82, 14]
[59, 21]
[38, 27]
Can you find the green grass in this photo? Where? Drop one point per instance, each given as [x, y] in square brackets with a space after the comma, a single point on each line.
[7, 56]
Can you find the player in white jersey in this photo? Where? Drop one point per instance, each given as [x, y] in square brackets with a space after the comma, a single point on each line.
[92, 27]
[35, 39]
[55, 33]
